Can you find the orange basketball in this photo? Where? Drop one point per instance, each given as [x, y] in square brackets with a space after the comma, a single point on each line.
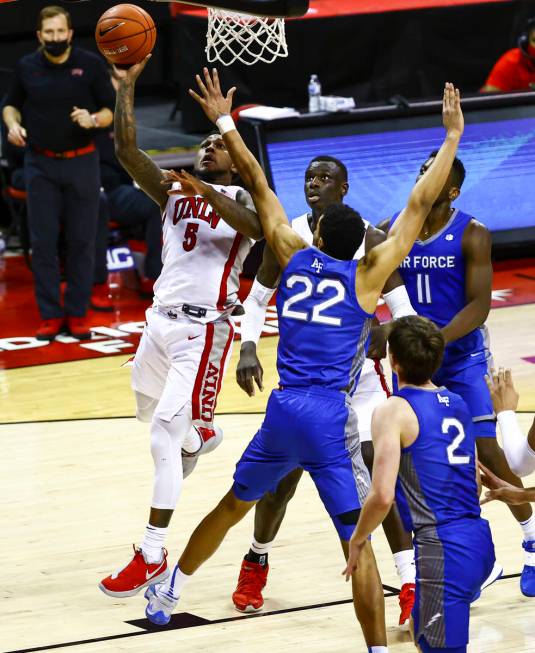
[125, 34]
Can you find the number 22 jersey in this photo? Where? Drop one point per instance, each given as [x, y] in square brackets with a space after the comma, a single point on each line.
[324, 333]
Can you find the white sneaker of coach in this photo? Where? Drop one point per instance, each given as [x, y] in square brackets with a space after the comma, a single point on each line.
[209, 440]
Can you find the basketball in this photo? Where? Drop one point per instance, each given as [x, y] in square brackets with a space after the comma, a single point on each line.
[125, 34]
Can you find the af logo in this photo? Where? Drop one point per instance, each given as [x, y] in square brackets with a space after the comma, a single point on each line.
[317, 265]
[443, 400]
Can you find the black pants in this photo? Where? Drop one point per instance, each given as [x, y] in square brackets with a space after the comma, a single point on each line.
[62, 193]
[130, 207]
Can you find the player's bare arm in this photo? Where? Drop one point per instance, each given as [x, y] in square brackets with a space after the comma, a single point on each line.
[240, 213]
[278, 233]
[477, 254]
[389, 421]
[379, 264]
[500, 490]
[137, 163]
[379, 333]
[249, 369]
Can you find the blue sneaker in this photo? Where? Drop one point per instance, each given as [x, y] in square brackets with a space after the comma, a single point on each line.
[527, 578]
[160, 605]
[495, 574]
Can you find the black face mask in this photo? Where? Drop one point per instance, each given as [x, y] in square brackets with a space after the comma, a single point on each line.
[56, 48]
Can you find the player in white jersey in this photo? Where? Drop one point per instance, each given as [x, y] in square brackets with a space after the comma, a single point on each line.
[187, 341]
[326, 183]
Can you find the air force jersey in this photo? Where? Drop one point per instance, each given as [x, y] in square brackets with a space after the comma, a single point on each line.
[434, 273]
[324, 332]
[437, 473]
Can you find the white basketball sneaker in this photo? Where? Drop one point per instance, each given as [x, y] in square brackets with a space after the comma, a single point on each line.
[161, 604]
[207, 440]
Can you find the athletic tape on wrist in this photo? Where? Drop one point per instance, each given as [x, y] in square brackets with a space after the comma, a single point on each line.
[225, 124]
[398, 303]
[255, 307]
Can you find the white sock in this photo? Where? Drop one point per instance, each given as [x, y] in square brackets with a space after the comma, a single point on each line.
[262, 548]
[175, 583]
[528, 528]
[404, 561]
[377, 649]
[192, 442]
[152, 543]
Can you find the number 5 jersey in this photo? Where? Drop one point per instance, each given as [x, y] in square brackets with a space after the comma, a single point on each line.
[202, 257]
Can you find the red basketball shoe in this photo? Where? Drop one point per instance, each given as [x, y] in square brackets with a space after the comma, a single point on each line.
[49, 329]
[136, 575]
[252, 580]
[100, 298]
[406, 601]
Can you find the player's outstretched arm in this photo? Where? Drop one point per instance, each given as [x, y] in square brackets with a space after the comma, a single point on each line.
[519, 450]
[240, 213]
[282, 239]
[387, 425]
[249, 370]
[478, 286]
[500, 490]
[385, 258]
[137, 163]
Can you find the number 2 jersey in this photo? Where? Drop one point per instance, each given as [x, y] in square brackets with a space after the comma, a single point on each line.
[324, 332]
[437, 473]
[434, 273]
[202, 256]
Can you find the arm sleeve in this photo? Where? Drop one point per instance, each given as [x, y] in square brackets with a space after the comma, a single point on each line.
[255, 312]
[16, 94]
[503, 75]
[398, 302]
[519, 454]
[103, 91]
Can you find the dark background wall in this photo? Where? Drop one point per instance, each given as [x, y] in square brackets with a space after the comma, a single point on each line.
[18, 22]
[371, 57]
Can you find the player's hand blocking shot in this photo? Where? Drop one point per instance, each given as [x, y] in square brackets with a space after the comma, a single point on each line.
[325, 306]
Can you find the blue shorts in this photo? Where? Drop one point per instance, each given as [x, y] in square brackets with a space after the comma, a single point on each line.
[452, 562]
[466, 377]
[315, 429]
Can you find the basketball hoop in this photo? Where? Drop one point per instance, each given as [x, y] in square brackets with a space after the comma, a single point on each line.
[243, 37]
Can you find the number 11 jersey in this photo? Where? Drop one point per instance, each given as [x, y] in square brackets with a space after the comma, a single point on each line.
[434, 274]
[324, 333]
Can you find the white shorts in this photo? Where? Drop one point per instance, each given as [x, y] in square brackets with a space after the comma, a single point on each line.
[181, 361]
[371, 391]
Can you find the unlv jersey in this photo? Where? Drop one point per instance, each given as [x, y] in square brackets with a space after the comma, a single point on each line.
[302, 227]
[202, 257]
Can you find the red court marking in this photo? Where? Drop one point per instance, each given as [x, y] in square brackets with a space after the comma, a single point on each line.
[328, 8]
[514, 284]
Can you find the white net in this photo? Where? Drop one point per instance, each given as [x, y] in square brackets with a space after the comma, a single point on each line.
[240, 37]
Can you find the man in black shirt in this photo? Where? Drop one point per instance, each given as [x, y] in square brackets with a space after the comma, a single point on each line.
[59, 96]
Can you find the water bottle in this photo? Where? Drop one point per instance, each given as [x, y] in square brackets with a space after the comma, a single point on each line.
[314, 94]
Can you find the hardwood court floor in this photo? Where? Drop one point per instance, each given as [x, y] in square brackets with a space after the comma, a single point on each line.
[74, 494]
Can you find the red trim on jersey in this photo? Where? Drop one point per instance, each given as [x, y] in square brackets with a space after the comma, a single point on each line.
[195, 397]
[226, 272]
[224, 357]
[381, 375]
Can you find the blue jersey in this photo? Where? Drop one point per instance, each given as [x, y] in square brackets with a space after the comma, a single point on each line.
[437, 473]
[324, 333]
[434, 273]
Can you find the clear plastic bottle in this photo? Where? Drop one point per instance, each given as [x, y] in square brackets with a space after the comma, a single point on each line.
[314, 94]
